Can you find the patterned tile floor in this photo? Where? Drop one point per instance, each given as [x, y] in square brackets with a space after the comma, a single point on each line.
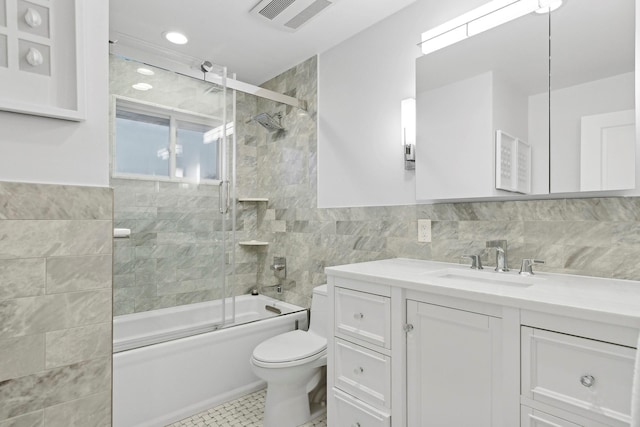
[246, 411]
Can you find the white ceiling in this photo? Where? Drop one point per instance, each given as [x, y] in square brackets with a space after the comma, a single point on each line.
[225, 33]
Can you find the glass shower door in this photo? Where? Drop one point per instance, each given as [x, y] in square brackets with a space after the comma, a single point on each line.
[170, 174]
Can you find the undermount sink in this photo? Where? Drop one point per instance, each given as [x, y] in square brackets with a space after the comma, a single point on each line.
[485, 276]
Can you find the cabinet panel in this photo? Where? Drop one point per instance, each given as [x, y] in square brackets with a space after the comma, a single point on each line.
[534, 418]
[453, 362]
[364, 316]
[363, 373]
[352, 413]
[587, 377]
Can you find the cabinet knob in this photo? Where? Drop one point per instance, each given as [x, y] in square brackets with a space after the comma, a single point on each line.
[355, 425]
[587, 380]
[408, 327]
[358, 370]
[358, 316]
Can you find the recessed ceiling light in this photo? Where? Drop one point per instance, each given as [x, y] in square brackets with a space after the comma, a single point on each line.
[175, 37]
[142, 86]
[145, 71]
[550, 6]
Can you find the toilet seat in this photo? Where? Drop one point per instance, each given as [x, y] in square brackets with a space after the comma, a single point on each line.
[289, 349]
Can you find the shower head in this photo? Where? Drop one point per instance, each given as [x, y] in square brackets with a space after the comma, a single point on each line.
[269, 122]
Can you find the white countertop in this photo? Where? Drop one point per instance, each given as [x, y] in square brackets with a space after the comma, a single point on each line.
[600, 299]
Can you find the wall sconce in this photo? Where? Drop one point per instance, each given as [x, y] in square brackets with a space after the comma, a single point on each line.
[483, 18]
[408, 123]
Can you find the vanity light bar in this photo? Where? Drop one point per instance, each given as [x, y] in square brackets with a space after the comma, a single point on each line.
[490, 15]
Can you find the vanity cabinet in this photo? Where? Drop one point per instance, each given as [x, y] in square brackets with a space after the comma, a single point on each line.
[359, 376]
[453, 364]
[410, 348]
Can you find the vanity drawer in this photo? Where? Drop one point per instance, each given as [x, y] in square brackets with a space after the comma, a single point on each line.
[363, 373]
[583, 376]
[364, 316]
[534, 418]
[350, 412]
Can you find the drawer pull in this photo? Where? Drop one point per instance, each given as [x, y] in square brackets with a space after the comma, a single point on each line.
[587, 380]
[359, 370]
[355, 424]
[358, 316]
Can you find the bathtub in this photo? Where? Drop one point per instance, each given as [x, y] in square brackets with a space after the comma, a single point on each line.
[163, 373]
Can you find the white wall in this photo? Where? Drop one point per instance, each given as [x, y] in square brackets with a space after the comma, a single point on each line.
[43, 150]
[360, 85]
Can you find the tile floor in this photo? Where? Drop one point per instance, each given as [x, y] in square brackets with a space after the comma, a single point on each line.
[243, 412]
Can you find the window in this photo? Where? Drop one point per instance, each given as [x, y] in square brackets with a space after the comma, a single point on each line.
[152, 141]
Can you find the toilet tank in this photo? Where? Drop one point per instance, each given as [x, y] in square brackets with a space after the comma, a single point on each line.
[319, 310]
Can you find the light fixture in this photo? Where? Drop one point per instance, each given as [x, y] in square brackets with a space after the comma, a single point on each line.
[142, 86]
[408, 124]
[502, 16]
[176, 37]
[145, 71]
[490, 15]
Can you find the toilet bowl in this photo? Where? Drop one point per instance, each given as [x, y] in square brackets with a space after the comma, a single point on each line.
[291, 365]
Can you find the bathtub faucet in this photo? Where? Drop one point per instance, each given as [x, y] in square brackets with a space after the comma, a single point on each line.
[279, 267]
[277, 287]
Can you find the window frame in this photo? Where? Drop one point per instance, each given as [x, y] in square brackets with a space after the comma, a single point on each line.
[174, 115]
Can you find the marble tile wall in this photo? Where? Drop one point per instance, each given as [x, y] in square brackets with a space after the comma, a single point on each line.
[591, 236]
[55, 305]
[175, 253]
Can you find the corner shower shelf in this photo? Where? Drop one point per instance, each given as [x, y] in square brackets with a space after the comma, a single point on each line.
[253, 199]
[253, 243]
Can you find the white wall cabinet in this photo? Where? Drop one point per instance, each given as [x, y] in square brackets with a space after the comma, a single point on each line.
[406, 352]
[453, 362]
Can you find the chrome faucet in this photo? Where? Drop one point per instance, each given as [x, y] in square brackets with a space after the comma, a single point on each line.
[526, 268]
[501, 254]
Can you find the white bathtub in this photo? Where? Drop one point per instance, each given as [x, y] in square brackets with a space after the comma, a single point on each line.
[162, 381]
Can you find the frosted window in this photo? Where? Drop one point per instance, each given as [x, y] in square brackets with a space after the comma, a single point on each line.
[196, 152]
[142, 144]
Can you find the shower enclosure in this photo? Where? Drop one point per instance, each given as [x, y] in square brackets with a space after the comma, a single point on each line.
[172, 157]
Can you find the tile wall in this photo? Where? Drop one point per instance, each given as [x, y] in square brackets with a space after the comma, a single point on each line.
[175, 252]
[55, 305]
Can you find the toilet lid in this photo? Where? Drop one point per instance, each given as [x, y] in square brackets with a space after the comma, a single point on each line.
[290, 346]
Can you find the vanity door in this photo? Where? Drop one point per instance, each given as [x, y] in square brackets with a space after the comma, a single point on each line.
[453, 367]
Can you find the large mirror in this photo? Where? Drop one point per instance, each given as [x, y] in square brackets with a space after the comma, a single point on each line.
[542, 104]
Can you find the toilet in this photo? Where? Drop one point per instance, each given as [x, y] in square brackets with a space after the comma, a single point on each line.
[291, 364]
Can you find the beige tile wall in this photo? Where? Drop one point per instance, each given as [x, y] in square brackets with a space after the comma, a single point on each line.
[55, 305]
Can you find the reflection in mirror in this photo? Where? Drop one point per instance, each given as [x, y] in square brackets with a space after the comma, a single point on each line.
[593, 96]
[469, 91]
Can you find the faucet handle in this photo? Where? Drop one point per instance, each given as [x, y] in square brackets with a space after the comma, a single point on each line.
[476, 261]
[526, 268]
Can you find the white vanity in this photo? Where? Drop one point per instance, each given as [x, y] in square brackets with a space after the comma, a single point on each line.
[422, 343]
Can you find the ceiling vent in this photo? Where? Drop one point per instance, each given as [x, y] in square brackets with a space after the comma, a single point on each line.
[289, 14]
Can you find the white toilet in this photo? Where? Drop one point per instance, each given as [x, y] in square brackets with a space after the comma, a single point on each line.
[291, 365]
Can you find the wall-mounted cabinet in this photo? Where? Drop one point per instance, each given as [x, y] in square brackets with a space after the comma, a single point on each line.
[561, 83]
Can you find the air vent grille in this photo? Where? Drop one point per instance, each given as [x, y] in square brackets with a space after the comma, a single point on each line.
[275, 8]
[311, 11]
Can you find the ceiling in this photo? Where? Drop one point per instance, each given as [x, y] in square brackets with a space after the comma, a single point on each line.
[225, 33]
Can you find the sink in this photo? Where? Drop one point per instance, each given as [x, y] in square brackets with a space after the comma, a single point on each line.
[484, 277]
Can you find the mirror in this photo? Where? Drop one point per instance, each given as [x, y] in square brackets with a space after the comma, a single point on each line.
[491, 122]
[593, 96]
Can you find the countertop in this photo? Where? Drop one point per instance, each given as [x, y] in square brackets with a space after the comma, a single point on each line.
[601, 299]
